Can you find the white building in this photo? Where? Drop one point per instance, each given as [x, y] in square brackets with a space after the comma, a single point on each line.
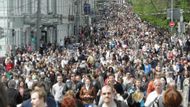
[46, 18]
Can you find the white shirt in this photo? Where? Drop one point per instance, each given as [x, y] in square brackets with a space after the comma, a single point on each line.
[57, 91]
[151, 97]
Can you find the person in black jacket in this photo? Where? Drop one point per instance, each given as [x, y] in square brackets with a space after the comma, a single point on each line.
[14, 96]
[50, 100]
[3, 96]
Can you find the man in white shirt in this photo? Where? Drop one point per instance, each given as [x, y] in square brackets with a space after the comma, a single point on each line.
[108, 95]
[155, 94]
[58, 88]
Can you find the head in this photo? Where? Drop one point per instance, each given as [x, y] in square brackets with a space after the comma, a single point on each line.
[68, 101]
[172, 98]
[78, 78]
[111, 78]
[107, 94]
[73, 77]
[138, 83]
[21, 84]
[158, 85]
[39, 86]
[38, 98]
[87, 82]
[12, 84]
[171, 85]
[59, 78]
[70, 93]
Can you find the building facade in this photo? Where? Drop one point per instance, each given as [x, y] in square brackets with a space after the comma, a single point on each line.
[32, 22]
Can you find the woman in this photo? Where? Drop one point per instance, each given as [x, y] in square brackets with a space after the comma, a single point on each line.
[70, 100]
[38, 98]
[22, 89]
[87, 93]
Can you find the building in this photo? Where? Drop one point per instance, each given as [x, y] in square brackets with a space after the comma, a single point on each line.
[32, 22]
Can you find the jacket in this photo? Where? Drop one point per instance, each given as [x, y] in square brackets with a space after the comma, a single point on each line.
[50, 103]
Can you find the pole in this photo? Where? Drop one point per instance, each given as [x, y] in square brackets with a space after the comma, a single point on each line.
[77, 20]
[38, 23]
[172, 14]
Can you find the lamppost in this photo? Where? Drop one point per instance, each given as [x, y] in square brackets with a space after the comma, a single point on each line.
[172, 20]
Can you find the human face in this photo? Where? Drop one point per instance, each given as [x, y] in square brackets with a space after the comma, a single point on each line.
[111, 79]
[158, 86]
[107, 94]
[73, 77]
[87, 82]
[59, 79]
[35, 100]
[21, 84]
[138, 83]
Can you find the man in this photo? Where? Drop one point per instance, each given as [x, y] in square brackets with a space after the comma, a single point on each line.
[112, 82]
[38, 98]
[49, 100]
[156, 94]
[108, 95]
[79, 85]
[71, 83]
[58, 89]
[14, 96]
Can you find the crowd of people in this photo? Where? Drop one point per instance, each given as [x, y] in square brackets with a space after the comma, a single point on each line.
[126, 62]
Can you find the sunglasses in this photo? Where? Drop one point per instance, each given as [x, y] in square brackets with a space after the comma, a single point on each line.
[109, 93]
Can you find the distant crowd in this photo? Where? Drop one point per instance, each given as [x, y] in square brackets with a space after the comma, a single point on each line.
[120, 61]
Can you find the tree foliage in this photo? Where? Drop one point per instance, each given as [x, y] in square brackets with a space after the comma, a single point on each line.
[155, 11]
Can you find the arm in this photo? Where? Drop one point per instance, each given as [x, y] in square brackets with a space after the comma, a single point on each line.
[81, 94]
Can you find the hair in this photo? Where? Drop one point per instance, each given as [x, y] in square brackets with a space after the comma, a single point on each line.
[41, 93]
[12, 84]
[39, 84]
[172, 98]
[3, 96]
[109, 86]
[70, 93]
[68, 101]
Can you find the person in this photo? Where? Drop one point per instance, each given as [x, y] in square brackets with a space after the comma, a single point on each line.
[38, 98]
[118, 86]
[156, 94]
[79, 85]
[13, 94]
[69, 100]
[172, 98]
[49, 100]
[3, 96]
[135, 99]
[107, 94]
[58, 89]
[87, 93]
[23, 90]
